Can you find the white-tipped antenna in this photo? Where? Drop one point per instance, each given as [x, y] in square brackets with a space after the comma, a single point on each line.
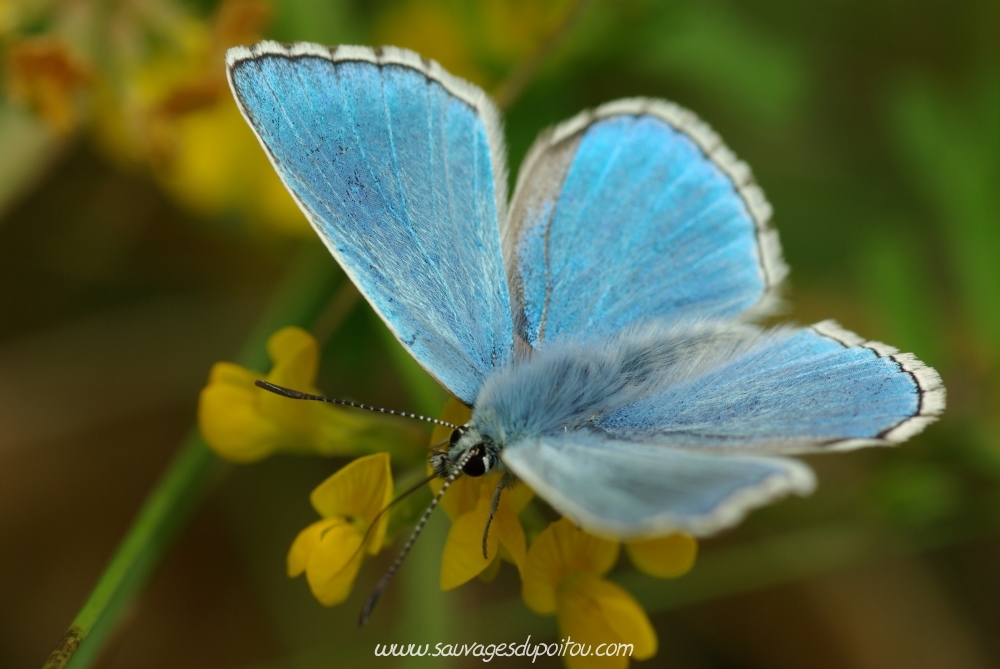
[366, 611]
[296, 395]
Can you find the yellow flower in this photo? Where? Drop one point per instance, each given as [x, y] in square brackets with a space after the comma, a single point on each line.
[244, 423]
[467, 504]
[563, 574]
[666, 557]
[330, 550]
[217, 167]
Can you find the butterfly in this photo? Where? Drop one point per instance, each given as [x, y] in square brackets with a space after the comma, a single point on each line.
[600, 323]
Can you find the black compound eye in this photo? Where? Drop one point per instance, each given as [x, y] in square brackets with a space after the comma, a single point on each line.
[477, 464]
[456, 435]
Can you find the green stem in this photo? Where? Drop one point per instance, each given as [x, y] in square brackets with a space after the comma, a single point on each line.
[160, 518]
[298, 300]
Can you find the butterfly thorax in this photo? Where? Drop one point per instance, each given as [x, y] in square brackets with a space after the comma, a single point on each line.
[579, 385]
[564, 387]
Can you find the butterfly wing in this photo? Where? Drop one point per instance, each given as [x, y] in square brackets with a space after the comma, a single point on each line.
[635, 211]
[626, 489]
[815, 389]
[400, 168]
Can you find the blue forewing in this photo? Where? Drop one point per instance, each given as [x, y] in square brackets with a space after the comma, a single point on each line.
[400, 169]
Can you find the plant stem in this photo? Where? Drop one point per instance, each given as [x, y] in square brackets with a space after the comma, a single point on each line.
[298, 300]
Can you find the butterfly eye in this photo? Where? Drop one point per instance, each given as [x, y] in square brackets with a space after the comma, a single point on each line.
[478, 464]
[456, 435]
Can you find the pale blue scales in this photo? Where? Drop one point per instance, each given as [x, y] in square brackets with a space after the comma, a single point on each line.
[791, 393]
[643, 227]
[648, 488]
[600, 326]
[397, 176]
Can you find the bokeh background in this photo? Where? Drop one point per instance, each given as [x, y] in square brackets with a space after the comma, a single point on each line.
[142, 236]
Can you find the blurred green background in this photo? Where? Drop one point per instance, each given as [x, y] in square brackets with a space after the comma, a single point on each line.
[142, 232]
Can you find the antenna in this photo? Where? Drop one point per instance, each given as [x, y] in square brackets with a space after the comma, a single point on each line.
[384, 581]
[296, 395]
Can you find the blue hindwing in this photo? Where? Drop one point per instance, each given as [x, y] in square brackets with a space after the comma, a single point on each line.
[688, 418]
[625, 489]
[820, 388]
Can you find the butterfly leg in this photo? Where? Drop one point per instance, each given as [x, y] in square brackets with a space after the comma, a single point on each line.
[506, 481]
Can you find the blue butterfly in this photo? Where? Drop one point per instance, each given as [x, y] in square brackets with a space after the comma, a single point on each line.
[598, 324]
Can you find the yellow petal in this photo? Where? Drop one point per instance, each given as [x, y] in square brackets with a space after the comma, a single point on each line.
[229, 419]
[227, 372]
[560, 550]
[593, 611]
[214, 164]
[507, 527]
[307, 541]
[358, 492]
[463, 551]
[334, 563]
[295, 355]
[517, 497]
[665, 557]
[465, 492]
[243, 423]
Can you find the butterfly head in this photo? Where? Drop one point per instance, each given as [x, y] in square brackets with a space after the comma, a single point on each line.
[467, 445]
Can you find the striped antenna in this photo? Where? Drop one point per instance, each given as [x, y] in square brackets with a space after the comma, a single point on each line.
[384, 581]
[296, 395]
